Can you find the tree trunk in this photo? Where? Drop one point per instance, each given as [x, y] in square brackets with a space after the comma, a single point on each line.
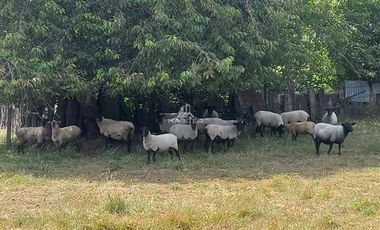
[9, 127]
[322, 102]
[89, 113]
[290, 98]
[72, 112]
[312, 104]
[109, 107]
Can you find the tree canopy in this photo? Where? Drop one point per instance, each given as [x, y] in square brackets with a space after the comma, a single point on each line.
[136, 48]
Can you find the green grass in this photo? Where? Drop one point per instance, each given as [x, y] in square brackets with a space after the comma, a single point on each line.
[262, 183]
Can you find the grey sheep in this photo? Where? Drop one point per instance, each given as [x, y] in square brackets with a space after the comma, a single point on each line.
[269, 119]
[159, 143]
[117, 130]
[32, 135]
[331, 134]
[62, 136]
[295, 116]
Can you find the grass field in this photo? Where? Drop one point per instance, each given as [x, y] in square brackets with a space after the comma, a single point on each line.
[262, 183]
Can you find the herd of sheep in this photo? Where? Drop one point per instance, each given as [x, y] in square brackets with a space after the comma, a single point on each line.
[185, 128]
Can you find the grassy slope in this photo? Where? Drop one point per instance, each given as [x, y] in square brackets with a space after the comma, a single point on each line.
[265, 183]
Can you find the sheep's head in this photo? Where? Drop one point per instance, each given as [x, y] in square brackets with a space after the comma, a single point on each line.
[54, 124]
[145, 131]
[329, 111]
[240, 124]
[193, 124]
[347, 127]
[281, 129]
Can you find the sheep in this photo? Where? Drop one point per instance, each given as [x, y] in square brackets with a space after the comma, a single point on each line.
[330, 117]
[117, 130]
[185, 132]
[33, 135]
[300, 128]
[163, 121]
[222, 134]
[295, 116]
[269, 119]
[159, 143]
[62, 136]
[203, 122]
[331, 134]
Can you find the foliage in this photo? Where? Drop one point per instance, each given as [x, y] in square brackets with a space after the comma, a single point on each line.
[140, 49]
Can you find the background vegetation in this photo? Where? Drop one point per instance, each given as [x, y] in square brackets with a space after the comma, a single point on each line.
[142, 48]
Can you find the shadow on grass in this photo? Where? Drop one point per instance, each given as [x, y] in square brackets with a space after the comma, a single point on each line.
[250, 158]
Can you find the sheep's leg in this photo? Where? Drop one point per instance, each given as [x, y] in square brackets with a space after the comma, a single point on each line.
[208, 143]
[129, 143]
[295, 138]
[20, 148]
[184, 146]
[257, 129]
[232, 142]
[331, 146]
[148, 156]
[340, 145]
[177, 154]
[154, 155]
[273, 131]
[171, 154]
[317, 145]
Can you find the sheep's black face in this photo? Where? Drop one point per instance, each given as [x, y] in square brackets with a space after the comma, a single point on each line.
[347, 126]
[145, 131]
[281, 129]
[193, 126]
[55, 124]
[240, 125]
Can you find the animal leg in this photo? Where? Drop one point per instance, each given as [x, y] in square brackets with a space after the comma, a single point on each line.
[317, 145]
[20, 148]
[184, 146]
[171, 154]
[148, 156]
[129, 142]
[154, 155]
[331, 146]
[340, 145]
[177, 154]
[295, 138]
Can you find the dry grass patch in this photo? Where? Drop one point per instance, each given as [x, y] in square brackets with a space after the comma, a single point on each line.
[263, 183]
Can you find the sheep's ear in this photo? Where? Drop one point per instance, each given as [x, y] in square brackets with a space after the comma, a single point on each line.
[353, 123]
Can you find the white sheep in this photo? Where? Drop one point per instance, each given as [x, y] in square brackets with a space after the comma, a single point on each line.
[331, 134]
[32, 135]
[202, 122]
[300, 128]
[223, 134]
[295, 116]
[159, 143]
[117, 130]
[164, 123]
[62, 136]
[185, 133]
[330, 117]
[269, 119]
